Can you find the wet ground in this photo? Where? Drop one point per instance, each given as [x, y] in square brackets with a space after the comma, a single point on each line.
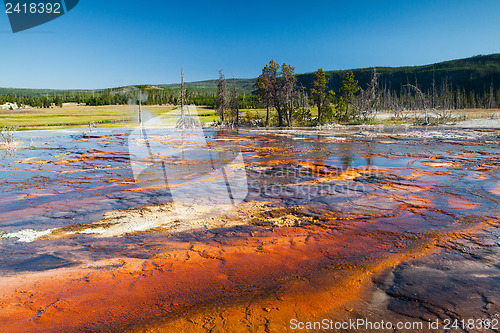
[393, 224]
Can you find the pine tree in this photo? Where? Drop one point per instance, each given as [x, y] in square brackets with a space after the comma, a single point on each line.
[267, 86]
[320, 95]
[348, 92]
[318, 92]
[288, 92]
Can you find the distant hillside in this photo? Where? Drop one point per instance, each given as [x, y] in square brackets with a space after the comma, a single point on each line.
[37, 92]
[470, 74]
[243, 85]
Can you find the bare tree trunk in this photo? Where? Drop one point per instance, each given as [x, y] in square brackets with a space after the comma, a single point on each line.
[320, 121]
[268, 114]
[182, 93]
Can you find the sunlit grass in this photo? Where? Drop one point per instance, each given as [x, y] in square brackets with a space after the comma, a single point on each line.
[66, 117]
[123, 115]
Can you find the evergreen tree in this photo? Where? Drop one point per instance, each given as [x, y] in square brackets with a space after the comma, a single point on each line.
[348, 92]
[319, 94]
[288, 92]
[267, 86]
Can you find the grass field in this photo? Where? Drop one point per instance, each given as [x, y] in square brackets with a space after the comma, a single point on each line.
[73, 116]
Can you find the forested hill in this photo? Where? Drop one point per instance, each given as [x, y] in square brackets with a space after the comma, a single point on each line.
[471, 74]
[243, 85]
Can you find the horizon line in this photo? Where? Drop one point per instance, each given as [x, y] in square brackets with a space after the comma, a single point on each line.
[252, 78]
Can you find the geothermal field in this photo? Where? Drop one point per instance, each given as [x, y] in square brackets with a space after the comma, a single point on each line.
[249, 230]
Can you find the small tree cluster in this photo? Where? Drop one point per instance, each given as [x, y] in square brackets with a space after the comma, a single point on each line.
[227, 102]
[277, 87]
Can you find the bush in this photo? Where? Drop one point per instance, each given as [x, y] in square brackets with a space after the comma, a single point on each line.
[302, 117]
[7, 134]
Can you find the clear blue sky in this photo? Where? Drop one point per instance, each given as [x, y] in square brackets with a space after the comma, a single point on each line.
[109, 43]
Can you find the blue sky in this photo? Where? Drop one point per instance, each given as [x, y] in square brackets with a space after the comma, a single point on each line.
[109, 43]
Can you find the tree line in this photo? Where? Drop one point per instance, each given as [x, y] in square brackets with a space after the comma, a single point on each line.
[124, 96]
[291, 99]
[286, 100]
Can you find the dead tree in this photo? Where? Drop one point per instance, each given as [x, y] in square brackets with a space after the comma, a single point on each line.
[420, 102]
[222, 99]
[234, 104]
[185, 122]
[369, 100]
[182, 93]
